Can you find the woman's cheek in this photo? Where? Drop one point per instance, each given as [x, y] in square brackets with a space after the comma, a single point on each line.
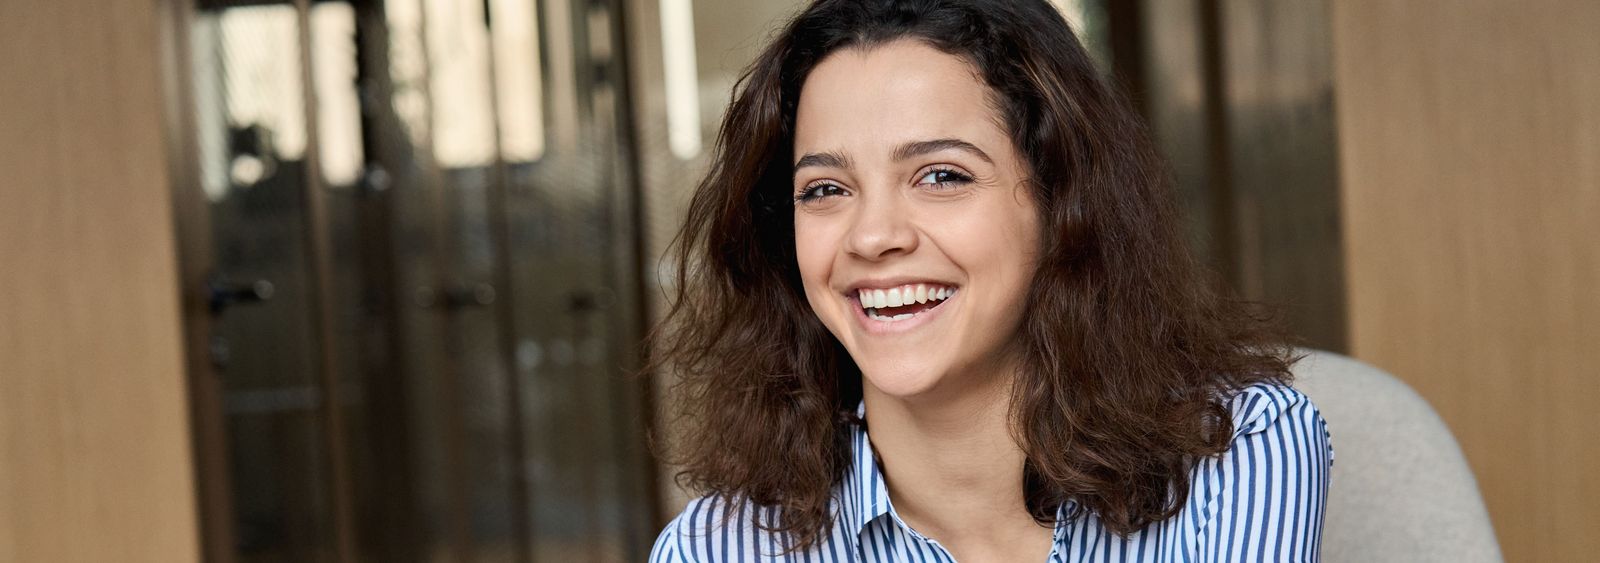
[816, 250]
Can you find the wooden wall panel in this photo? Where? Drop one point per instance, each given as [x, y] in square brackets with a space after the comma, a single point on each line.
[94, 441]
[1470, 145]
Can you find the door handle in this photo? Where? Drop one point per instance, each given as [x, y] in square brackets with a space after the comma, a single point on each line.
[455, 297]
[222, 294]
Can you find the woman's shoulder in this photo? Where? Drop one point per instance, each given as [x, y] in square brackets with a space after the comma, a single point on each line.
[718, 528]
[1271, 407]
[1268, 490]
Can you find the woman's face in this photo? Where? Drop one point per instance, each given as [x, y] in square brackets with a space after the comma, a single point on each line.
[914, 229]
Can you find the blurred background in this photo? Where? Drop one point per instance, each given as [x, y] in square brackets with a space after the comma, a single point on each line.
[366, 280]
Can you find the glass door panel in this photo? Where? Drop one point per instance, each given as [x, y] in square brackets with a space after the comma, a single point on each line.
[427, 291]
[253, 144]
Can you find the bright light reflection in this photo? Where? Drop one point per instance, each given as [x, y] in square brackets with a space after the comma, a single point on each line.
[210, 119]
[519, 87]
[682, 78]
[261, 66]
[333, 30]
[458, 57]
[408, 67]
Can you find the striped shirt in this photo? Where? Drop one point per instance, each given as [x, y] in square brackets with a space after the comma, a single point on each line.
[1262, 500]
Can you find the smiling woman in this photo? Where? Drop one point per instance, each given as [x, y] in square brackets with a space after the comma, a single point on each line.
[934, 217]
[922, 188]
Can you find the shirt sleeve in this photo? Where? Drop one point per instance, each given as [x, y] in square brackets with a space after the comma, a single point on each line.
[1268, 492]
[667, 544]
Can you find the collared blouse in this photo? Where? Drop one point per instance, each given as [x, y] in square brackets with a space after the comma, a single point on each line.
[1261, 500]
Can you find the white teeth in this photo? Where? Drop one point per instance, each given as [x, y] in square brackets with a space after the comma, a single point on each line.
[875, 299]
[871, 314]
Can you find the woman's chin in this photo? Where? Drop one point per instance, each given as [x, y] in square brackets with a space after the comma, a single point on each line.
[931, 378]
[900, 381]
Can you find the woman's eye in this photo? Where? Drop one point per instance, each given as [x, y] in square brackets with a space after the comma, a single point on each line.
[816, 192]
[944, 177]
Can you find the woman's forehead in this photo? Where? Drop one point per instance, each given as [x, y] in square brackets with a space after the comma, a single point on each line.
[868, 102]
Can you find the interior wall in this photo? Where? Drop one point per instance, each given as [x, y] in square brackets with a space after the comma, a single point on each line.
[94, 441]
[1470, 157]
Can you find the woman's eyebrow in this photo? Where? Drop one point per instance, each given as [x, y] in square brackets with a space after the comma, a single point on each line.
[919, 148]
[833, 159]
[828, 159]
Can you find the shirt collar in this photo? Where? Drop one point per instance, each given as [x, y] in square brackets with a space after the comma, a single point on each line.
[865, 495]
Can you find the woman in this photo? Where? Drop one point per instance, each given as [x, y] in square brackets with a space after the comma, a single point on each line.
[935, 306]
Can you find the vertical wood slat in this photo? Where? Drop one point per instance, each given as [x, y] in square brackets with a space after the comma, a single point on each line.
[634, 289]
[94, 436]
[319, 254]
[454, 525]
[1470, 141]
[387, 519]
[505, 308]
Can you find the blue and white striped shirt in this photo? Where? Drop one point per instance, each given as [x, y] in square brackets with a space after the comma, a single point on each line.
[1262, 500]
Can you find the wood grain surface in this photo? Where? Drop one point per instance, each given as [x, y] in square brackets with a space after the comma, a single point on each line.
[1470, 156]
[94, 442]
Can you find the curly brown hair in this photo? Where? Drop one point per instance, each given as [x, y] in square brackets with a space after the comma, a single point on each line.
[1130, 348]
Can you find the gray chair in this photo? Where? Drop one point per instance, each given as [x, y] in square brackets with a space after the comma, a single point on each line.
[1401, 489]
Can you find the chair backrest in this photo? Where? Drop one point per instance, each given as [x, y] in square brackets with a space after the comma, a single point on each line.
[1401, 489]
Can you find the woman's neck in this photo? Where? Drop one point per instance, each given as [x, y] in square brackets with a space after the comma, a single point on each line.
[953, 470]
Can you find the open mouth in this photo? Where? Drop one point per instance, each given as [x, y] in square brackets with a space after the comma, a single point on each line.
[902, 303]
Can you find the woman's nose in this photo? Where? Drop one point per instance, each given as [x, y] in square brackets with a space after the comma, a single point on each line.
[882, 227]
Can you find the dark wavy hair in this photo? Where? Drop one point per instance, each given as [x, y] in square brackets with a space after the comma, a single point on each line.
[1131, 350]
